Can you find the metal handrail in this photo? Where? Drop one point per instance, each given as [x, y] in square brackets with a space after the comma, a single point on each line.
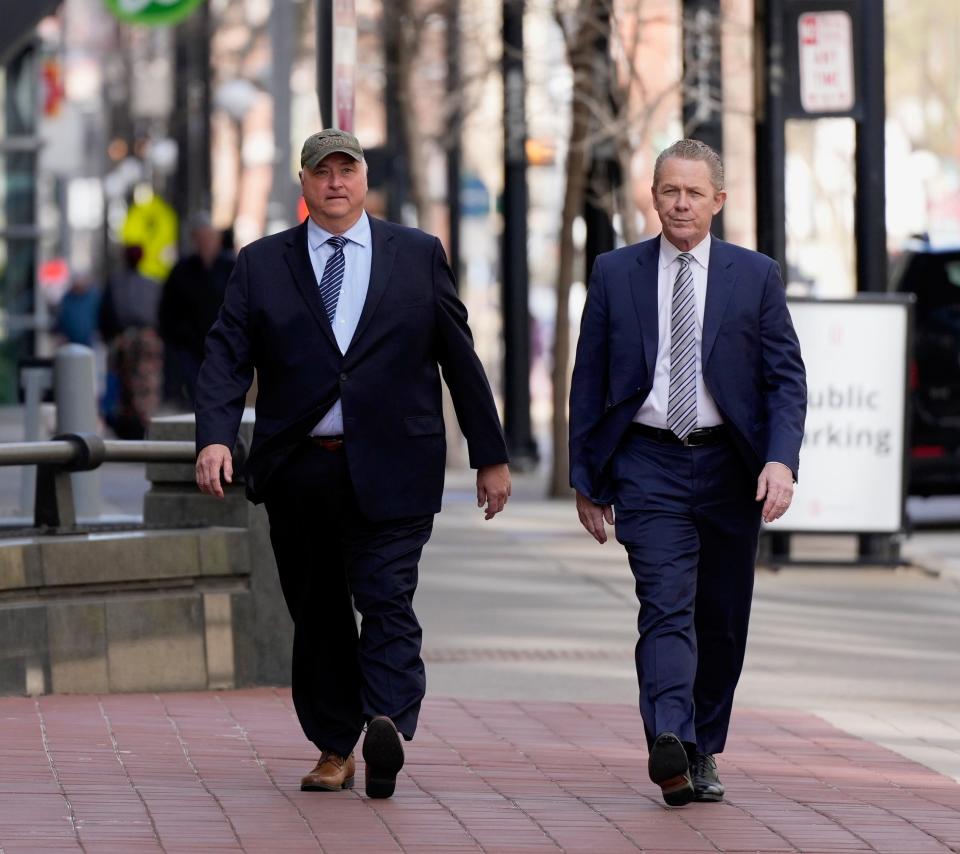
[56, 459]
[115, 451]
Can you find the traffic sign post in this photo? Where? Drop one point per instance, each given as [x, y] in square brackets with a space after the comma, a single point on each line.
[337, 62]
[825, 59]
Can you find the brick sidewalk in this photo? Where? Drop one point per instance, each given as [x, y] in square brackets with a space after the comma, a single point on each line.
[213, 772]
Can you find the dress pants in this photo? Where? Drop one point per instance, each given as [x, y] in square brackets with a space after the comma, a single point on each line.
[690, 525]
[328, 553]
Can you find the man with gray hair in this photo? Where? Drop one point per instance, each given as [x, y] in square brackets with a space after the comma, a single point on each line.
[687, 408]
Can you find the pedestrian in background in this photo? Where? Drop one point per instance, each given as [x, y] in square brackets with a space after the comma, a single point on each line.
[189, 304]
[687, 408]
[128, 326]
[76, 320]
[348, 321]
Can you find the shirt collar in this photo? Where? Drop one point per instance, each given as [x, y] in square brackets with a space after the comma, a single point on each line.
[700, 252]
[358, 233]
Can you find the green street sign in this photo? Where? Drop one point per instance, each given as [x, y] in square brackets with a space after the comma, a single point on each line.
[152, 11]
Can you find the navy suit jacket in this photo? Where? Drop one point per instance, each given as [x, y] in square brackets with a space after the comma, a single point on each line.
[388, 381]
[750, 356]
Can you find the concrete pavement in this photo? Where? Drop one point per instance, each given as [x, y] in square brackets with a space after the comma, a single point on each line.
[529, 607]
[219, 772]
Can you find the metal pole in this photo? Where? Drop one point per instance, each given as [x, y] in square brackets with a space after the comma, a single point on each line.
[325, 61]
[870, 227]
[771, 139]
[771, 158]
[74, 388]
[454, 143]
[396, 161]
[870, 223]
[516, 316]
[703, 82]
[192, 119]
[282, 208]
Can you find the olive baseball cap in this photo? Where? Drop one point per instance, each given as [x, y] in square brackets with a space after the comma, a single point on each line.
[328, 141]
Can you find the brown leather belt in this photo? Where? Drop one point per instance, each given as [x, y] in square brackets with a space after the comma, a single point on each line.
[328, 443]
[695, 439]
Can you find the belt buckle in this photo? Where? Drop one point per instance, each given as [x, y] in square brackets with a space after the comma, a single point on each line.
[685, 441]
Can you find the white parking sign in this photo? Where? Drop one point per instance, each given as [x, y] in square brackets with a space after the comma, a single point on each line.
[826, 62]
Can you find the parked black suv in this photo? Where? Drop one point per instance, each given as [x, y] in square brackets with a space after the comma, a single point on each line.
[933, 274]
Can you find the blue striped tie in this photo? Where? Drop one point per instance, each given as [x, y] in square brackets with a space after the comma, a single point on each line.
[332, 277]
[682, 404]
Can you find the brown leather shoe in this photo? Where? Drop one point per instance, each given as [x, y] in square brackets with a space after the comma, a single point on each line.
[331, 774]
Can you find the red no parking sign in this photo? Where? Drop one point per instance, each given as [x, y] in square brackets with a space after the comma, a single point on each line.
[826, 62]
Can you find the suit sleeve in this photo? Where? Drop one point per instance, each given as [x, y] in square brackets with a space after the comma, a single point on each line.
[462, 371]
[227, 369]
[784, 375]
[588, 386]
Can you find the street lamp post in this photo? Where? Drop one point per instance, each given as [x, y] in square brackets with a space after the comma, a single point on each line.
[516, 316]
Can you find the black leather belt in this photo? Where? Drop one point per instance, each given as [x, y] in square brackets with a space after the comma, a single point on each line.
[695, 439]
[328, 443]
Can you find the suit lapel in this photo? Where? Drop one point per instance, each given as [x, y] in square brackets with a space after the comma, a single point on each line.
[721, 278]
[384, 250]
[643, 287]
[298, 260]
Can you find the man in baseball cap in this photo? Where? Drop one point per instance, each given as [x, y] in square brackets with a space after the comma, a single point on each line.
[329, 141]
[350, 322]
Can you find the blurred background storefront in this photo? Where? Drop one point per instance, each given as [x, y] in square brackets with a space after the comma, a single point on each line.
[121, 123]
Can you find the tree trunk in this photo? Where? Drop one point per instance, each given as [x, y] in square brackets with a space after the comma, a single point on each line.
[412, 136]
[581, 59]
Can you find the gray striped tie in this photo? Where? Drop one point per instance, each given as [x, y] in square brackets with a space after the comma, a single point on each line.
[332, 277]
[682, 404]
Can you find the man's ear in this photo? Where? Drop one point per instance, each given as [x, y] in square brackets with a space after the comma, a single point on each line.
[718, 201]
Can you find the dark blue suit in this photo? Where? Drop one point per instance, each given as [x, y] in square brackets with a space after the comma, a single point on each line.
[687, 516]
[348, 522]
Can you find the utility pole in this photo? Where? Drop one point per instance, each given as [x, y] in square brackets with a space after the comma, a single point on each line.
[870, 224]
[282, 207]
[516, 314]
[191, 123]
[324, 11]
[454, 131]
[770, 134]
[395, 170]
[702, 80]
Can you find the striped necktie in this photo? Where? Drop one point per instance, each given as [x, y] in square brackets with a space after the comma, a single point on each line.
[682, 403]
[332, 277]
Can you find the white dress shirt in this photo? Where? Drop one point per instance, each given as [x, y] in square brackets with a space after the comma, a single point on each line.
[654, 409]
[357, 257]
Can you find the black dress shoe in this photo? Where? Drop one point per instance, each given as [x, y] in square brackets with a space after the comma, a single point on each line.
[383, 753]
[706, 781]
[669, 769]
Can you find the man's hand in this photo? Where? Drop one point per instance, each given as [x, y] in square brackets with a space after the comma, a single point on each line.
[775, 484]
[592, 517]
[211, 460]
[493, 487]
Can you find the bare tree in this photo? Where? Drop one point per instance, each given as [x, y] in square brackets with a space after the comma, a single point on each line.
[426, 107]
[613, 104]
